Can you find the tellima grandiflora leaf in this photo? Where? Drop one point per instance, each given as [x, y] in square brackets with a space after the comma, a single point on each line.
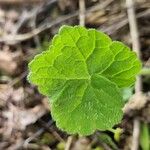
[81, 73]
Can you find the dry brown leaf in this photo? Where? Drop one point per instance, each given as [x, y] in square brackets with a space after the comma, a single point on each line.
[10, 94]
[9, 61]
[5, 93]
[18, 94]
[18, 118]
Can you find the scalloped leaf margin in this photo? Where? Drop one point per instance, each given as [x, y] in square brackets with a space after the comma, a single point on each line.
[81, 73]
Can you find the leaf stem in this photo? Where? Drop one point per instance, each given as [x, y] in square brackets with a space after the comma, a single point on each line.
[145, 71]
[117, 133]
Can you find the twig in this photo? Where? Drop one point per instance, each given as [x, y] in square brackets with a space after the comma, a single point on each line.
[101, 5]
[38, 133]
[136, 134]
[36, 38]
[25, 144]
[121, 23]
[82, 12]
[82, 23]
[11, 39]
[29, 15]
[56, 135]
[133, 27]
[136, 48]
[18, 1]
[68, 143]
[22, 19]
[17, 79]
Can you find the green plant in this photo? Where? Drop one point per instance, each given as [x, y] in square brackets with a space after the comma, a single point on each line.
[145, 136]
[82, 73]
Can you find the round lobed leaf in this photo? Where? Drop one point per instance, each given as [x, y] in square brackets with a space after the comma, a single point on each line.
[81, 73]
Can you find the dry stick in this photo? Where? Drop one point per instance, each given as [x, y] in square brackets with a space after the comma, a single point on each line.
[82, 12]
[136, 48]
[38, 133]
[9, 39]
[19, 1]
[136, 134]
[24, 144]
[134, 36]
[82, 23]
[56, 135]
[36, 38]
[34, 12]
[124, 21]
[22, 37]
[17, 79]
[68, 143]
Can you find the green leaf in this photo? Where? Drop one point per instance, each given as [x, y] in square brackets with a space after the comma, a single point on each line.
[125, 66]
[81, 73]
